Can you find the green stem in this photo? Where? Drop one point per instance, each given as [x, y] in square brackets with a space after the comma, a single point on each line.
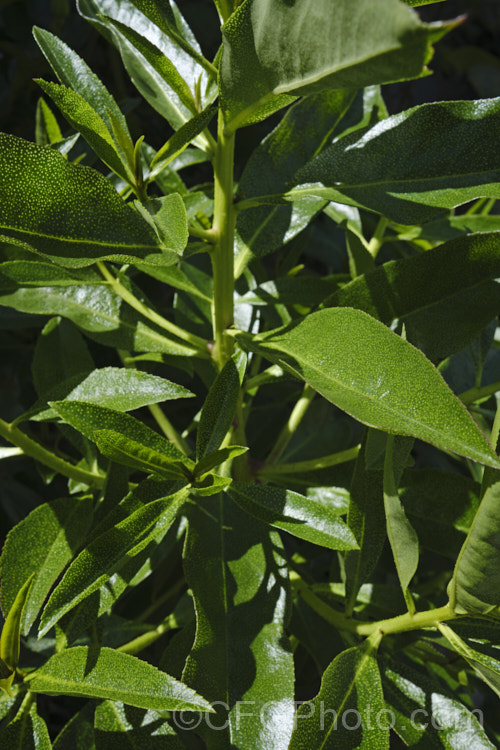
[476, 393]
[207, 235]
[198, 343]
[225, 9]
[296, 417]
[33, 449]
[378, 238]
[146, 639]
[222, 257]
[313, 464]
[167, 428]
[400, 624]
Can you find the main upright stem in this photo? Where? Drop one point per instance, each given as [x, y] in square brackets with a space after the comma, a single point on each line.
[223, 253]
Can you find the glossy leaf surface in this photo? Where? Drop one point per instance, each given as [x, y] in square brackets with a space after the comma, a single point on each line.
[274, 51]
[298, 515]
[116, 676]
[233, 565]
[359, 365]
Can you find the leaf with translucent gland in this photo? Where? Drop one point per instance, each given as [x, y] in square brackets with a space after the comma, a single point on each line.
[42, 544]
[176, 277]
[303, 131]
[366, 519]
[180, 141]
[112, 675]
[211, 460]
[83, 118]
[450, 499]
[425, 713]
[380, 171]
[291, 290]
[475, 586]
[117, 725]
[402, 536]
[233, 565]
[70, 213]
[74, 73]
[104, 15]
[274, 51]
[375, 376]
[10, 637]
[78, 733]
[452, 283]
[90, 303]
[47, 130]
[124, 450]
[350, 685]
[60, 353]
[119, 388]
[168, 217]
[486, 667]
[87, 418]
[164, 67]
[28, 731]
[298, 515]
[218, 410]
[109, 552]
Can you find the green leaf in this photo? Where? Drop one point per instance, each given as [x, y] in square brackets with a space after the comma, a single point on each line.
[28, 731]
[233, 565]
[300, 516]
[476, 578]
[89, 418]
[82, 117]
[304, 130]
[10, 639]
[366, 519]
[402, 536]
[274, 51]
[212, 484]
[60, 353]
[487, 668]
[47, 130]
[121, 23]
[425, 714]
[71, 214]
[450, 499]
[430, 174]
[422, 2]
[365, 369]
[88, 301]
[117, 726]
[218, 410]
[42, 544]
[75, 74]
[168, 217]
[180, 140]
[335, 718]
[115, 676]
[78, 733]
[118, 388]
[211, 460]
[109, 552]
[126, 451]
[452, 283]
[290, 290]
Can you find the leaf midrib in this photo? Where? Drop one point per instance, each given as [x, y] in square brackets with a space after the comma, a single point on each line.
[79, 240]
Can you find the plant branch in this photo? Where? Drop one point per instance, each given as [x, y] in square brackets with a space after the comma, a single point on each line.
[33, 449]
[207, 235]
[400, 624]
[223, 255]
[477, 393]
[198, 343]
[378, 238]
[296, 417]
[313, 464]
